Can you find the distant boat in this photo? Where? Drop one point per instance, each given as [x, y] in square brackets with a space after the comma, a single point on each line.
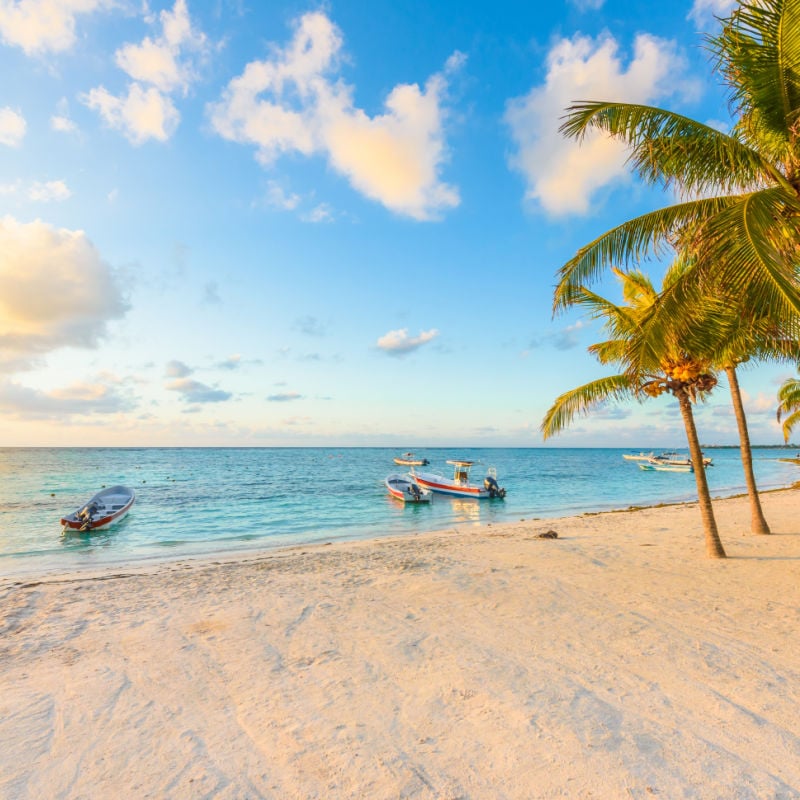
[656, 467]
[638, 456]
[105, 509]
[459, 484]
[411, 460]
[678, 460]
[404, 488]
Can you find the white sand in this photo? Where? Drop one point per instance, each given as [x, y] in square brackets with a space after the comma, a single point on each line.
[615, 662]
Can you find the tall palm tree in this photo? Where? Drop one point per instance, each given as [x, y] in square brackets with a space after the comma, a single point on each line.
[645, 373]
[789, 408]
[746, 222]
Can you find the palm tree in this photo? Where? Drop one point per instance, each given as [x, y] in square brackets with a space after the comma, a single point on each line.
[645, 373]
[745, 218]
[789, 397]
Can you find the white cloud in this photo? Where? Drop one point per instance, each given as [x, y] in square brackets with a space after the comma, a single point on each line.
[158, 68]
[62, 124]
[562, 175]
[703, 12]
[60, 121]
[12, 127]
[295, 102]
[158, 61]
[38, 26]
[142, 114]
[195, 392]
[76, 399]
[48, 191]
[398, 343]
[55, 290]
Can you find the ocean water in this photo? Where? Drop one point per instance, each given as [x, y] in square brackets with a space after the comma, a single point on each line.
[192, 501]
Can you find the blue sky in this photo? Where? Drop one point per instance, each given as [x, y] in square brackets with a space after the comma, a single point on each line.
[241, 223]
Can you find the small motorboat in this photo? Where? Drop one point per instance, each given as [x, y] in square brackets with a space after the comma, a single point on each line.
[678, 460]
[459, 484]
[404, 488]
[106, 508]
[642, 456]
[411, 460]
[656, 467]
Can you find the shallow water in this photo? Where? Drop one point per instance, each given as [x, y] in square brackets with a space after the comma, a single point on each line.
[209, 500]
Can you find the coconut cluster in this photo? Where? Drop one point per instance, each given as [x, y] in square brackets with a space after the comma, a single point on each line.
[681, 376]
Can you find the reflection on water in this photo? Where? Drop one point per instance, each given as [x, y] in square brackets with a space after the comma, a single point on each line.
[196, 500]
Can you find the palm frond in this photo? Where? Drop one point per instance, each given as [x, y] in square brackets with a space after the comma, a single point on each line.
[583, 398]
[670, 149]
[758, 52]
[632, 242]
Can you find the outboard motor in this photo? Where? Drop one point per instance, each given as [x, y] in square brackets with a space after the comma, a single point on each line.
[415, 492]
[490, 484]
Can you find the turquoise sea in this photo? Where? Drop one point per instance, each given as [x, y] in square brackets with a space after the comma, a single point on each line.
[192, 501]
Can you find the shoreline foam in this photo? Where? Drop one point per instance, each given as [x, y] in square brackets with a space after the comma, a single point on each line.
[615, 661]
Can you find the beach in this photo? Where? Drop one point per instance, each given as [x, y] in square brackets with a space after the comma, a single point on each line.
[483, 661]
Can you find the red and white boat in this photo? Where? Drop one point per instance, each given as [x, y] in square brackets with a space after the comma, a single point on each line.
[404, 488]
[459, 484]
[106, 508]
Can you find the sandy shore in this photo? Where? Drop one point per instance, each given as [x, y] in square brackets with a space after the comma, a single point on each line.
[614, 662]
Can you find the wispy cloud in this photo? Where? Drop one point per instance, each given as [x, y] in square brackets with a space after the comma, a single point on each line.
[196, 392]
[12, 127]
[159, 67]
[296, 102]
[177, 369]
[399, 343]
[74, 400]
[309, 325]
[284, 397]
[49, 191]
[561, 175]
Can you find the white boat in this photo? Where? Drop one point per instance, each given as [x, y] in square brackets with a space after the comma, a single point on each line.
[638, 456]
[678, 460]
[459, 484]
[411, 460]
[656, 467]
[404, 488]
[106, 508]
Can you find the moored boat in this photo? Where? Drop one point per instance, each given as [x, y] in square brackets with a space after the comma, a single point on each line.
[404, 488]
[656, 467]
[678, 460]
[411, 460]
[641, 456]
[106, 508]
[460, 484]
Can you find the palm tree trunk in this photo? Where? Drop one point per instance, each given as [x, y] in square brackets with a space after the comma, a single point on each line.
[714, 548]
[758, 523]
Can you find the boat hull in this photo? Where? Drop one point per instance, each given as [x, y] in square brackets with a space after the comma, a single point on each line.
[112, 505]
[406, 490]
[438, 483]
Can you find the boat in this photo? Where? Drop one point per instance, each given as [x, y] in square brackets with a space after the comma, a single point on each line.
[655, 466]
[411, 460]
[641, 456]
[106, 508]
[405, 488]
[459, 484]
[678, 460]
